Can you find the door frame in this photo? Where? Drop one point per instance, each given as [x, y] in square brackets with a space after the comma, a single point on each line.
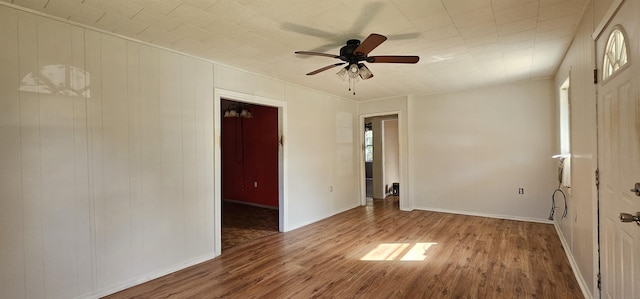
[404, 200]
[218, 95]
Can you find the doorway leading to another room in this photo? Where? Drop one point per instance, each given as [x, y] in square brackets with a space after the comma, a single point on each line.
[382, 158]
[249, 146]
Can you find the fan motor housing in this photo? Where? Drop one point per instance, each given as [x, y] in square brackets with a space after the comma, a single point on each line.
[346, 52]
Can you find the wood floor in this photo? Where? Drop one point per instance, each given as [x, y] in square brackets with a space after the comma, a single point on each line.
[377, 251]
[242, 223]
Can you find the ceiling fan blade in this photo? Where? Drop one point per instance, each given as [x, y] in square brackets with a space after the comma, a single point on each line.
[308, 31]
[317, 54]
[393, 59]
[325, 68]
[370, 43]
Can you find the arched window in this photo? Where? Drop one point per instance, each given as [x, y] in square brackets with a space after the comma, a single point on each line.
[615, 55]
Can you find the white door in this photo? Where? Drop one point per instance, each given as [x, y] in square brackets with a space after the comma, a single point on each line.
[619, 156]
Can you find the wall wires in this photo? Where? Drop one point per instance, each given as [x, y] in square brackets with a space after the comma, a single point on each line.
[558, 190]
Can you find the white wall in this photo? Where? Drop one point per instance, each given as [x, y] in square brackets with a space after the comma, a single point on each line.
[378, 158]
[108, 188]
[391, 152]
[579, 229]
[470, 151]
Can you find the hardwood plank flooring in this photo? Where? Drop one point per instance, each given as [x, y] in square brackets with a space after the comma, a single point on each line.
[377, 251]
[242, 223]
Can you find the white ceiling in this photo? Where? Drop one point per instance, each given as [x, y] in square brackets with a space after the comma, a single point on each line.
[462, 44]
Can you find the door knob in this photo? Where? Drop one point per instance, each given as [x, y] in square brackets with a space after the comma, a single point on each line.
[636, 189]
[626, 217]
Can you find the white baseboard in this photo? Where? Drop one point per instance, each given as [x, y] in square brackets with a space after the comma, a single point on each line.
[497, 216]
[574, 266]
[147, 277]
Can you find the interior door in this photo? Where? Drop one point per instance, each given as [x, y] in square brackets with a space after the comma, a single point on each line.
[619, 160]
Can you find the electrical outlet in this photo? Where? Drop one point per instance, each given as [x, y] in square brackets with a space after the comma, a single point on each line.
[520, 190]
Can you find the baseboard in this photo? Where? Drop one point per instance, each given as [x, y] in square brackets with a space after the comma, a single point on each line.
[333, 213]
[497, 216]
[250, 204]
[586, 292]
[147, 277]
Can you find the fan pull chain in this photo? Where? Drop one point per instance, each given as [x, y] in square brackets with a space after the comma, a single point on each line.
[352, 83]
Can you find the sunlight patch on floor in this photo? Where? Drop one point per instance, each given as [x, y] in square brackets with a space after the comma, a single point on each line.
[399, 251]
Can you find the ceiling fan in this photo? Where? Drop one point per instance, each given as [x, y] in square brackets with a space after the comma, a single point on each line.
[354, 53]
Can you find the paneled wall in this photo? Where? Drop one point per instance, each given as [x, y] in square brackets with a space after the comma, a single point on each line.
[323, 131]
[106, 157]
[105, 160]
[579, 229]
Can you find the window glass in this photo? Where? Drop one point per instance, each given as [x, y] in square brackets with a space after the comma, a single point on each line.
[615, 55]
[368, 145]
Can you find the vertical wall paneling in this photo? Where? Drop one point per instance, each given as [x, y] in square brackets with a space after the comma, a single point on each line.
[190, 166]
[107, 169]
[81, 82]
[12, 230]
[152, 213]
[30, 154]
[107, 153]
[205, 153]
[309, 137]
[94, 121]
[53, 156]
[578, 230]
[345, 150]
[56, 158]
[134, 111]
[172, 159]
[113, 222]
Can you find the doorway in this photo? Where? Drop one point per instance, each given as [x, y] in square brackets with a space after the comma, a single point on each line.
[249, 154]
[381, 158]
[254, 183]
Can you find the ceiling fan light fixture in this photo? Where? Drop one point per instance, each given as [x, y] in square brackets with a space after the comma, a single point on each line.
[353, 75]
[343, 73]
[364, 71]
[354, 52]
[238, 110]
[353, 68]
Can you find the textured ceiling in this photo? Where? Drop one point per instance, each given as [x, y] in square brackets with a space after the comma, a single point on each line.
[462, 44]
